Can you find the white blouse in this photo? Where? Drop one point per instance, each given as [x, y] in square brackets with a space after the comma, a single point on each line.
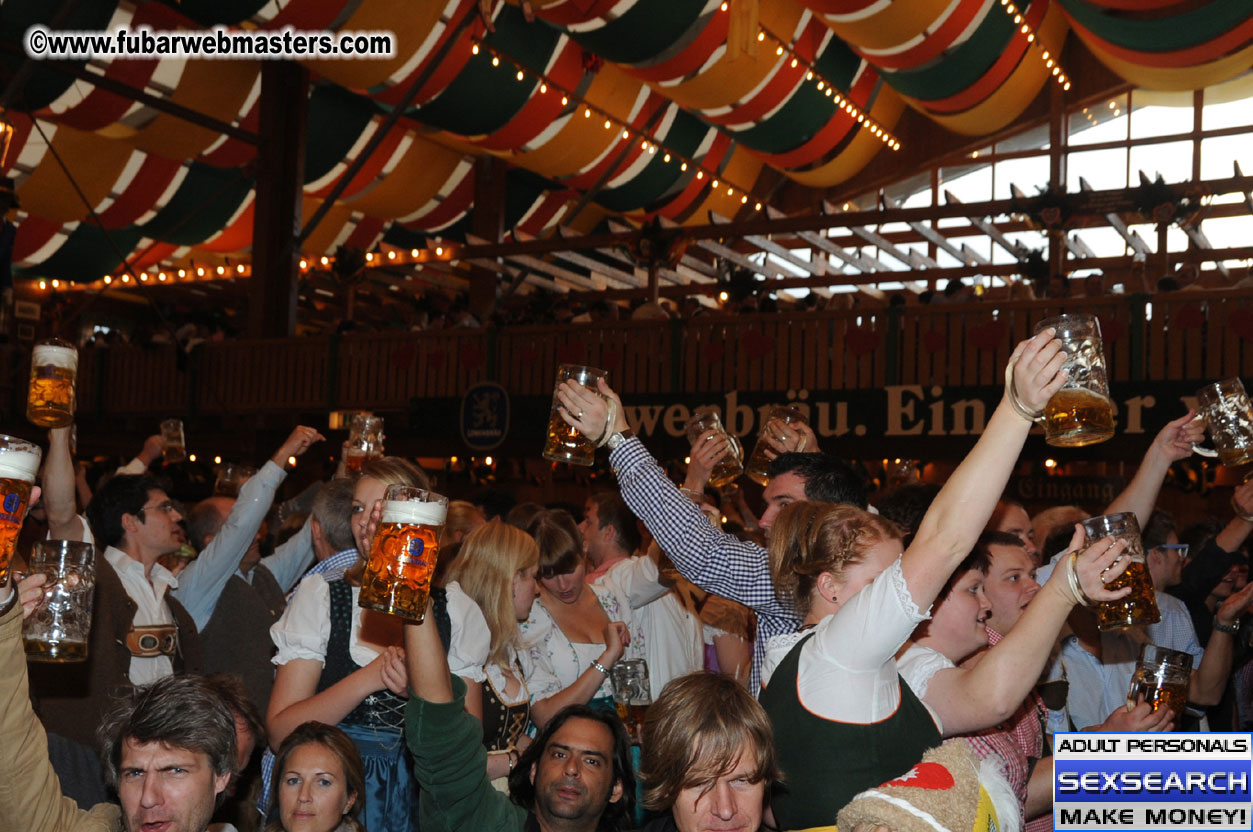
[918, 666]
[670, 635]
[847, 671]
[553, 663]
[476, 645]
[304, 630]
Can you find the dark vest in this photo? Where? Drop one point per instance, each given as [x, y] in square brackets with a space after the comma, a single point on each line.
[71, 699]
[826, 763]
[503, 725]
[382, 709]
[237, 638]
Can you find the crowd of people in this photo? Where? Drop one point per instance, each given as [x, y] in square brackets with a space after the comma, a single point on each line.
[800, 664]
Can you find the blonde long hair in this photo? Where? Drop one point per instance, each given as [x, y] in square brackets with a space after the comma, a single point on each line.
[808, 539]
[489, 558]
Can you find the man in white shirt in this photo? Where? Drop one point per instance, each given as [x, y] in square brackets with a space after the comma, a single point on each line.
[146, 619]
[673, 637]
[199, 585]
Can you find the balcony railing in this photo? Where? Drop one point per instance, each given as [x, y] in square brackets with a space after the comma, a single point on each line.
[1182, 336]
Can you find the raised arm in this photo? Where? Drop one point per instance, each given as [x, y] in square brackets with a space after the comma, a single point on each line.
[1209, 680]
[1207, 566]
[1172, 443]
[30, 797]
[972, 698]
[426, 662]
[960, 511]
[1241, 525]
[201, 583]
[148, 454]
[60, 488]
[292, 557]
[710, 558]
[449, 760]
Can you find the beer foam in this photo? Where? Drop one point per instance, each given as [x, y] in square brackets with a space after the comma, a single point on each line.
[45, 354]
[414, 513]
[18, 464]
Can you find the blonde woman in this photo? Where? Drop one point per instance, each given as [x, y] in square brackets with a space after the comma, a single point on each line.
[495, 573]
[343, 665]
[463, 518]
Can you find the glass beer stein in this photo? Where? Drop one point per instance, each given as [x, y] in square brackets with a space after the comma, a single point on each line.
[19, 462]
[1140, 607]
[632, 693]
[53, 371]
[174, 447]
[398, 572]
[57, 630]
[231, 478]
[1080, 413]
[365, 441]
[565, 443]
[758, 466]
[705, 419]
[1161, 677]
[1227, 412]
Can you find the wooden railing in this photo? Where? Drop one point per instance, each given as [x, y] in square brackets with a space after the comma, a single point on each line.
[1183, 336]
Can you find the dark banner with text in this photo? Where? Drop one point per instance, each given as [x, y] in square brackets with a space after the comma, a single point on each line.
[923, 422]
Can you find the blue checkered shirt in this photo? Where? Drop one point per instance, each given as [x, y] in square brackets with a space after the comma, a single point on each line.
[333, 568]
[710, 558]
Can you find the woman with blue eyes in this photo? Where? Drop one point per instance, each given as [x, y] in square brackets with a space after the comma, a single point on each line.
[318, 781]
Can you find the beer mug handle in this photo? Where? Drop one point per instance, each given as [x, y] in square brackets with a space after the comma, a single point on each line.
[1197, 449]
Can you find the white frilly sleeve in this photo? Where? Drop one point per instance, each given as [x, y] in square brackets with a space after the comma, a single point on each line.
[471, 639]
[870, 627]
[918, 666]
[304, 629]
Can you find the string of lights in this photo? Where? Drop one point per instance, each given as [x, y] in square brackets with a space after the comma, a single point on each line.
[648, 142]
[823, 85]
[447, 251]
[1050, 61]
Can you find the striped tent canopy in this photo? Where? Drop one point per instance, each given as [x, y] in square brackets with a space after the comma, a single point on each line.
[600, 110]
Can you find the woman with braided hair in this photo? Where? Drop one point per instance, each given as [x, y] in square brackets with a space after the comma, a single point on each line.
[844, 720]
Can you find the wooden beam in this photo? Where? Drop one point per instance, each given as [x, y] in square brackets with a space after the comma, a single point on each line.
[1093, 202]
[280, 188]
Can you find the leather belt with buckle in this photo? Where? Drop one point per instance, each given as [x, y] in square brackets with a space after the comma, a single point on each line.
[150, 641]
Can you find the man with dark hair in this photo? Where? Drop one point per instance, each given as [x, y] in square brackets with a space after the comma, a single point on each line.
[672, 636]
[146, 619]
[169, 748]
[238, 808]
[140, 631]
[609, 533]
[236, 638]
[906, 505]
[575, 777]
[815, 477]
[708, 557]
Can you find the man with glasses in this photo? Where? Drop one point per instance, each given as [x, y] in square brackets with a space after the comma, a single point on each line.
[140, 633]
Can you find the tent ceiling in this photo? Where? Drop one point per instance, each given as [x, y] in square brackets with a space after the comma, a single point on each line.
[670, 109]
